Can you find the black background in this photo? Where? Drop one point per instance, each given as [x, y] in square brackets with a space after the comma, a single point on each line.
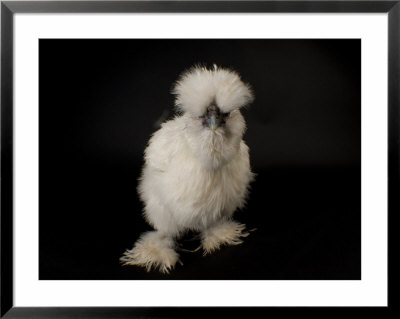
[100, 100]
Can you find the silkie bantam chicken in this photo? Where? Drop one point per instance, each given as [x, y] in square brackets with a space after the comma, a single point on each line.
[197, 169]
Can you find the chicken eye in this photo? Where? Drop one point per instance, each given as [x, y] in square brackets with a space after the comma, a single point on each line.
[223, 117]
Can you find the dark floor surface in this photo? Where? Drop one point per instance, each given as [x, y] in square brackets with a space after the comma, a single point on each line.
[305, 230]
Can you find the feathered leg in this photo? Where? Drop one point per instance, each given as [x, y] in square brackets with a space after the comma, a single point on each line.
[152, 250]
[226, 232]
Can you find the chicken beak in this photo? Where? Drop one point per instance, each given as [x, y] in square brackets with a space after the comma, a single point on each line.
[213, 117]
[213, 122]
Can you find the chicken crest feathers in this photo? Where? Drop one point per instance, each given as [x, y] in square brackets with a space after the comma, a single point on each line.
[198, 86]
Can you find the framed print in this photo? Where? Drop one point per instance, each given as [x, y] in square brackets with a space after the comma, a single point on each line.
[181, 158]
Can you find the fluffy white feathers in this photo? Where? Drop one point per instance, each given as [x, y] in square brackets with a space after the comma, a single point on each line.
[152, 250]
[224, 233]
[191, 179]
[195, 177]
[199, 86]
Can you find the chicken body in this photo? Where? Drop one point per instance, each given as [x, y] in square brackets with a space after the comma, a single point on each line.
[196, 171]
[191, 186]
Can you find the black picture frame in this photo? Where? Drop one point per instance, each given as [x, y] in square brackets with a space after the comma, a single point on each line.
[9, 8]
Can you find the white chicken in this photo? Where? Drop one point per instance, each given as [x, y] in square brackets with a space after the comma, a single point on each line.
[197, 169]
